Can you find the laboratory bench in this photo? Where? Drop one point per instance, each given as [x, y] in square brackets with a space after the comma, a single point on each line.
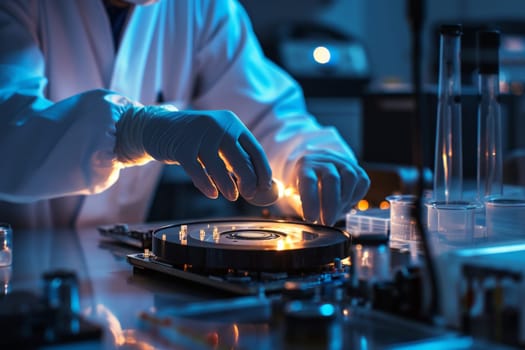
[125, 308]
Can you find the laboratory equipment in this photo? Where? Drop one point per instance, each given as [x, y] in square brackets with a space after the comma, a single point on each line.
[505, 217]
[6, 241]
[247, 255]
[481, 292]
[452, 223]
[402, 220]
[490, 158]
[373, 222]
[448, 158]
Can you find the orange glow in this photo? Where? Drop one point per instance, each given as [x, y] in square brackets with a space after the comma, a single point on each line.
[121, 337]
[280, 245]
[280, 186]
[235, 334]
[291, 195]
[446, 172]
[284, 191]
[363, 205]
[384, 205]
[365, 259]
[226, 162]
[216, 235]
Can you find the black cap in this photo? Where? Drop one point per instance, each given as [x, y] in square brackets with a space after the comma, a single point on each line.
[451, 29]
[488, 51]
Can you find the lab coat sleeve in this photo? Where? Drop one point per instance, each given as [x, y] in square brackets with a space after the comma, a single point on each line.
[47, 149]
[234, 74]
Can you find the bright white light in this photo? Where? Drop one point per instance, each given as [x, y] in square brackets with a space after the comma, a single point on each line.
[321, 55]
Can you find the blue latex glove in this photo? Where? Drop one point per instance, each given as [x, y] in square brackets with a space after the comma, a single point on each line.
[329, 185]
[215, 148]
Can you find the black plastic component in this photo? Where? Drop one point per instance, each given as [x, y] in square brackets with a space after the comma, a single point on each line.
[451, 29]
[138, 236]
[402, 296]
[488, 51]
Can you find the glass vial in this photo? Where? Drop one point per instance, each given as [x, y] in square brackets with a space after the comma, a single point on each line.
[6, 244]
[490, 161]
[448, 161]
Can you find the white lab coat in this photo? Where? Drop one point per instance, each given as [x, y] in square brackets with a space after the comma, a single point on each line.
[56, 142]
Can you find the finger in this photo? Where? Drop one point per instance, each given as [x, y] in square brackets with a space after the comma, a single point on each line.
[363, 185]
[265, 197]
[200, 178]
[330, 188]
[258, 159]
[217, 171]
[238, 162]
[309, 193]
[359, 183]
[347, 186]
[349, 181]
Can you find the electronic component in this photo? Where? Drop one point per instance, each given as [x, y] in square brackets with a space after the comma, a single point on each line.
[262, 245]
[138, 235]
[246, 256]
[485, 301]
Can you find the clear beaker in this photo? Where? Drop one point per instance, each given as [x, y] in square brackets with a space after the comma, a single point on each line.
[505, 217]
[451, 225]
[403, 224]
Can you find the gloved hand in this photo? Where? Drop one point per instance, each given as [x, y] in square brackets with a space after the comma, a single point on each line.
[215, 149]
[329, 185]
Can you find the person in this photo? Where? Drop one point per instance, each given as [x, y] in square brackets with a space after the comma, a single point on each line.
[96, 96]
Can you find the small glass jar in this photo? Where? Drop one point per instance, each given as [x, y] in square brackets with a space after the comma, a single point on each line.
[6, 244]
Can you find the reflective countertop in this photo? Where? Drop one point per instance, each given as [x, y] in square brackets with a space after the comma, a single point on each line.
[133, 308]
[111, 294]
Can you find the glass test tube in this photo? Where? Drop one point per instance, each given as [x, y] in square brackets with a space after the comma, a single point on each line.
[490, 161]
[448, 161]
